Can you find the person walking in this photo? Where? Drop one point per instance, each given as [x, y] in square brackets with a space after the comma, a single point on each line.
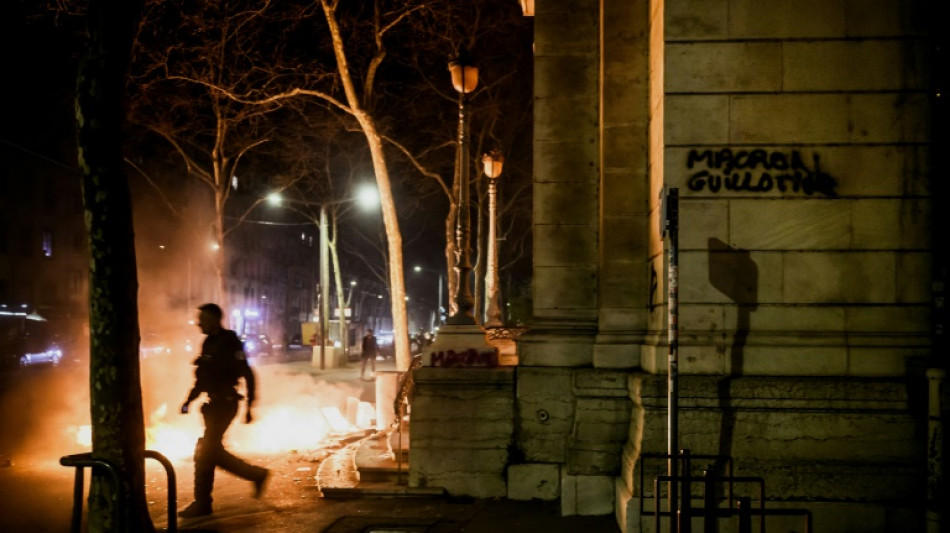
[369, 352]
[217, 370]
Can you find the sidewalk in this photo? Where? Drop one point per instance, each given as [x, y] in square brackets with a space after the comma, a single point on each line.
[361, 487]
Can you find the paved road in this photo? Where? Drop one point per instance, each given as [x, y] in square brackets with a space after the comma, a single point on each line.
[37, 407]
[40, 409]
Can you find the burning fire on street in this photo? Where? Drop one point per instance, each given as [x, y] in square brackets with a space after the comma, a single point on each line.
[304, 416]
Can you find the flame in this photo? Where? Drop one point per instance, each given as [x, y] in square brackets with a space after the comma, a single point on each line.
[275, 429]
[83, 435]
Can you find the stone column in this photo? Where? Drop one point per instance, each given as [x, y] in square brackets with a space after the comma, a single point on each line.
[567, 167]
[625, 296]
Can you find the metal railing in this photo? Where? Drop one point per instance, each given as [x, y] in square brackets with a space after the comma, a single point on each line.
[406, 386]
[81, 461]
[681, 517]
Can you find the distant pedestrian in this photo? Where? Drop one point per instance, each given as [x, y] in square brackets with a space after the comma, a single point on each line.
[217, 370]
[369, 352]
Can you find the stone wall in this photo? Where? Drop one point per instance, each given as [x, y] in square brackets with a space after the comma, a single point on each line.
[462, 428]
[797, 134]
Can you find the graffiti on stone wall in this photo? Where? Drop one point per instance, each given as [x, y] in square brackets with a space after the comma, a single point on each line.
[758, 171]
[470, 357]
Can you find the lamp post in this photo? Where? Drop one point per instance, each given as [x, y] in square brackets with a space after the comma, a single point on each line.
[492, 162]
[366, 198]
[464, 80]
[324, 285]
[438, 307]
[345, 341]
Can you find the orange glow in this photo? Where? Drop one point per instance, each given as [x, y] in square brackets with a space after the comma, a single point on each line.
[83, 435]
[175, 440]
[274, 430]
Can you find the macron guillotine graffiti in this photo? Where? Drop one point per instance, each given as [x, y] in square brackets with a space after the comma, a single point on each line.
[758, 171]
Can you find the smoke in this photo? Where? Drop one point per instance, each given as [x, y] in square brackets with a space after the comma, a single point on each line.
[294, 411]
[41, 411]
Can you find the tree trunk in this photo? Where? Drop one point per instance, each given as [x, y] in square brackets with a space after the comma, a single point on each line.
[118, 427]
[383, 183]
[217, 253]
[340, 299]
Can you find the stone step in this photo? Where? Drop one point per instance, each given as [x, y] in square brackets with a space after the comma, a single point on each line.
[387, 474]
[386, 490]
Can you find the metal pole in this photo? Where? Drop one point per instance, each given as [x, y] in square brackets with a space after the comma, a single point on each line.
[346, 330]
[671, 222]
[464, 300]
[438, 309]
[324, 285]
[493, 313]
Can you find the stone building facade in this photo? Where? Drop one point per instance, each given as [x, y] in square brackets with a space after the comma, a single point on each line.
[798, 134]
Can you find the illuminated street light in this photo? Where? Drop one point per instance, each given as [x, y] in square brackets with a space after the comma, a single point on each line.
[438, 308]
[366, 198]
[493, 162]
[527, 7]
[464, 80]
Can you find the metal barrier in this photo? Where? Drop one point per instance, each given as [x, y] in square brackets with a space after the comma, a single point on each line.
[686, 457]
[81, 461]
[680, 519]
[406, 386]
[172, 488]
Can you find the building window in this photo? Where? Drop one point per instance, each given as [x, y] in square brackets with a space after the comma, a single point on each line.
[47, 243]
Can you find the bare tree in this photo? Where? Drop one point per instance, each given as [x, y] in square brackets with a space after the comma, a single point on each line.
[180, 52]
[362, 87]
[357, 101]
[496, 39]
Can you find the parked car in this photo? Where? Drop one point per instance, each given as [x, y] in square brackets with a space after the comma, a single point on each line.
[257, 345]
[50, 354]
[26, 339]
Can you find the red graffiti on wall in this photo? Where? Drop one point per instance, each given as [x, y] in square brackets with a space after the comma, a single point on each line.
[470, 357]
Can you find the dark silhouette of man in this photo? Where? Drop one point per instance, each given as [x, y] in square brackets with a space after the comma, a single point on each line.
[217, 370]
[368, 353]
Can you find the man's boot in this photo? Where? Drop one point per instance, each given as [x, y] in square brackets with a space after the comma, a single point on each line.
[195, 510]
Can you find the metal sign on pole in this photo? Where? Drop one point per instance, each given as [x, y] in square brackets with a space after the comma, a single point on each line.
[670, 221]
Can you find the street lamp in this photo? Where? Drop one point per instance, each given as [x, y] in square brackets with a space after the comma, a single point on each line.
[438, 306]
[493, 162]
[368, 197]
[464, 80]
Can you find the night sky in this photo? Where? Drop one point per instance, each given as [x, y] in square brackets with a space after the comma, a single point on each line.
[38, 82]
